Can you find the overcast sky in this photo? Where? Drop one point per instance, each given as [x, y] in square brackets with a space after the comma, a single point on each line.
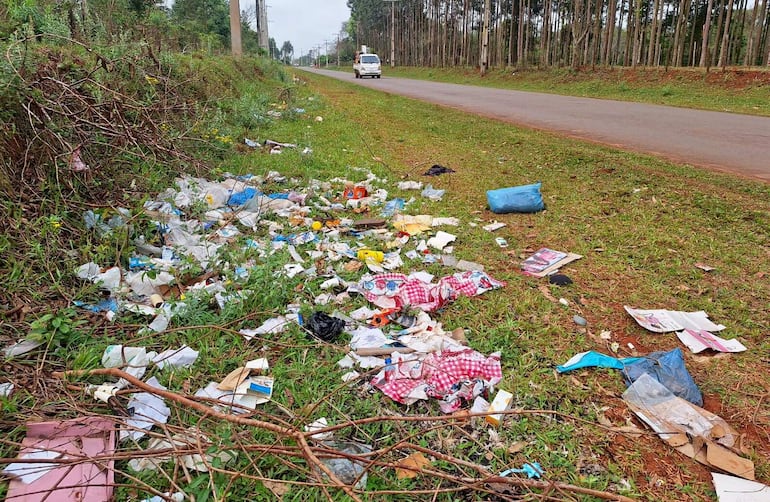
[305, 23]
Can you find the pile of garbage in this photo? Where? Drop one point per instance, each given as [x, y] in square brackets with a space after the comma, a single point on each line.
[324, 233]
[365, 254]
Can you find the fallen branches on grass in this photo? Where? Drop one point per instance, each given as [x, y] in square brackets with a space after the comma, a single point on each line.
[484, 481]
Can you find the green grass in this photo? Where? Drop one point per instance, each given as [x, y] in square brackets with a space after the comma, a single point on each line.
[736, 90]
[640, 223]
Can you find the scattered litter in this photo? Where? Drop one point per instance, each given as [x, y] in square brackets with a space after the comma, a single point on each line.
[175, 497]
[77, 439]
[501, 242]
[182, 357]
[559, 280]
[273, 325]
[732, 489]
[234, 379]
[437, 170]
[392, 207]
[76, 162]
[133, 360]
[108, 279]
[700, 340]
[369, 223]
[29, 472]
[441, 240]
[532, 470]
[452, 377]
[366, 255]
[319, 424]
[433, 193]
[580, 321]
[192, 438]
[251, 143]
[519, 199]
[410, 466]
[704, 267]
[668, 368]
[325, 327]
[546, 261]
[697, 433]
[500, 403]
[22, 347]
[146, 410]
[495, 225]
[564, 302]
[410, 185]
[392, 290]
[6, 389]
[348, 471]
[664, 321]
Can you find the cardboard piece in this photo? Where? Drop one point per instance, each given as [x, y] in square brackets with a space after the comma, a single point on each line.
[78, 439]
[408, 468]
[546, 261]
[693, 431]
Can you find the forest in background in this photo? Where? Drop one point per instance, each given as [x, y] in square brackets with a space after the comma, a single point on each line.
[525, 33]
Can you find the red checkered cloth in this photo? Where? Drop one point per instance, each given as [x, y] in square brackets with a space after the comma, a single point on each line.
[452, 377]
[392, 290]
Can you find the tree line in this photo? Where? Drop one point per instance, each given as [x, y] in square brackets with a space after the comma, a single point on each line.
[547, 33]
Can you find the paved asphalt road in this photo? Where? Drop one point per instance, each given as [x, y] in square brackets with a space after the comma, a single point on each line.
[723, 141]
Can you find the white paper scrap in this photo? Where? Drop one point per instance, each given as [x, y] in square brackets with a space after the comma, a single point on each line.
[733, 489]
[321, 423]
[148, 410]
[700, 340]
[441, 239]
[182, 357]
[664, 321]
[495, 225]
[31, 472]
[364, 337]
[258, 364]
[272, 325]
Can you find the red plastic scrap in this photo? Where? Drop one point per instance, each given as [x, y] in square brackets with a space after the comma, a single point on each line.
[82, 480]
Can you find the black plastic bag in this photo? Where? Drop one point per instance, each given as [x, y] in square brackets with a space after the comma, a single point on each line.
[437, 170]
[325, 327]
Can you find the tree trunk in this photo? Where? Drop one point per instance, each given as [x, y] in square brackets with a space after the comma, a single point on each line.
[653, 33]
[596, 39]
[520, 35]
[609, 31]
[545, 35]
[484, 57]
[717, 34]
[748, 57]
[704, 51]
[726, 36]
[637, 52]
[679, 34]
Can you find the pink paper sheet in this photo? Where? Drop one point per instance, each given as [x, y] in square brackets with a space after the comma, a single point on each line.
[78, 439]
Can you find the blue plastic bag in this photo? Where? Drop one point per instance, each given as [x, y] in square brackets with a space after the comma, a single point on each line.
[667, 368]
[520, 199]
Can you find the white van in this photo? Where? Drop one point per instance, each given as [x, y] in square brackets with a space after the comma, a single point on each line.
[367, 65]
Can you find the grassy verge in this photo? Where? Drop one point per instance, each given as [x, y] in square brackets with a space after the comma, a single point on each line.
[735, 90]
[640, 223]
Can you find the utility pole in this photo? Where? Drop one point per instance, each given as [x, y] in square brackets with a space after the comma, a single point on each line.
[264, 42]
[338, 50]
[485, 39]
[235, 29]
[392, 32]
[326, 51]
